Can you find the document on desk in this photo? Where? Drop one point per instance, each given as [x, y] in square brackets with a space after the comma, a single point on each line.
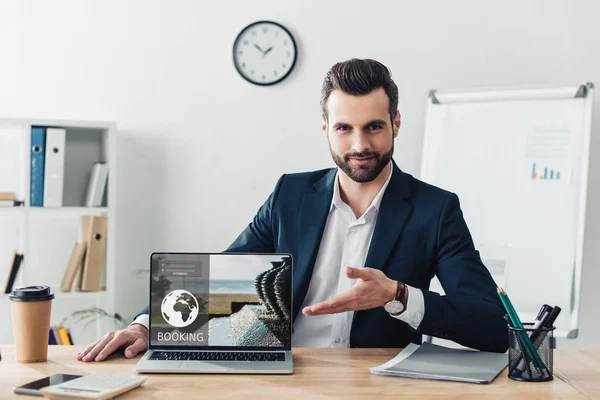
[429, 361]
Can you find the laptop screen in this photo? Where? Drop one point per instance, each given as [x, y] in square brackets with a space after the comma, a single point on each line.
[220, 301]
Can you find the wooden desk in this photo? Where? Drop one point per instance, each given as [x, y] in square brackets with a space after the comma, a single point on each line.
[319, 373]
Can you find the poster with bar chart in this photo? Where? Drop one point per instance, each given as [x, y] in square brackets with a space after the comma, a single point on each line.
[540, 173]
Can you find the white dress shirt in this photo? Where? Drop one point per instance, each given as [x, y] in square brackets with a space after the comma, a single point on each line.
[345, 242]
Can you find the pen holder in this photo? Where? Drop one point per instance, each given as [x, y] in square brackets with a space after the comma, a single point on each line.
[523, 363]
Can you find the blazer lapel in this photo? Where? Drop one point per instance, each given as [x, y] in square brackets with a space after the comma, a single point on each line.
[312, 217]
[393, 214]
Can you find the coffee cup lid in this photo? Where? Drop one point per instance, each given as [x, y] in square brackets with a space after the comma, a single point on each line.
[31, 293]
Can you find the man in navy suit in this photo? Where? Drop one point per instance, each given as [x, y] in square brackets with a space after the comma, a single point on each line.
[366, 239]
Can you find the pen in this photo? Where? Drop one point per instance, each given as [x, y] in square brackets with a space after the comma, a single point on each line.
[544, 308]
[547, 322]
[540, 321]
[544, 313]
[525, 340]
[538, 337]
[552, 317]
[519, 335]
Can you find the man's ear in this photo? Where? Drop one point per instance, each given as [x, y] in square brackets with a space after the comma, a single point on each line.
[397, 123]
[324, 127]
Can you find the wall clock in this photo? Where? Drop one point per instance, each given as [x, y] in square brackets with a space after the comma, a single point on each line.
[264, 53]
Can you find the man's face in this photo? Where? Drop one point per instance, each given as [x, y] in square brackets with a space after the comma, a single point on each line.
[360, 133]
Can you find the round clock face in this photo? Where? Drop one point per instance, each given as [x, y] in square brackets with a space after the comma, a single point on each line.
[264, 53]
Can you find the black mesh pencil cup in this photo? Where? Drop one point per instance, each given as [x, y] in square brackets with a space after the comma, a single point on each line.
[530, 360]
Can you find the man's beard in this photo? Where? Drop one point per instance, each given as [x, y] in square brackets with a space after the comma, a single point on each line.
[363, 173]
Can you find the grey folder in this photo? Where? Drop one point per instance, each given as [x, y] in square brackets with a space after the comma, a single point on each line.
[429, 361]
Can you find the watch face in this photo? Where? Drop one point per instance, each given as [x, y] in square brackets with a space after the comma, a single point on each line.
[394, 307]
[264, 53]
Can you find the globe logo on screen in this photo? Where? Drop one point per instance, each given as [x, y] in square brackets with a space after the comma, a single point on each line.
[179, 308]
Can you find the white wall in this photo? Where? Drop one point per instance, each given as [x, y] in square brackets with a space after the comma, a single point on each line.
[200, 148]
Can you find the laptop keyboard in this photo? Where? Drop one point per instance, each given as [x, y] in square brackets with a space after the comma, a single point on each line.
[217, 356]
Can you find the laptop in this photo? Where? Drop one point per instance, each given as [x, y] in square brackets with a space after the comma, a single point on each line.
[224, 313]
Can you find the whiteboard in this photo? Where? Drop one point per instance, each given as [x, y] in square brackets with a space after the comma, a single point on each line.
[518, 161]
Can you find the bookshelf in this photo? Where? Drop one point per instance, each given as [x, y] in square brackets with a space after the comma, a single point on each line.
[46, 235]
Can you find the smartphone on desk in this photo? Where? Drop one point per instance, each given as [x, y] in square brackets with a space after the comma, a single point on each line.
[33, 388]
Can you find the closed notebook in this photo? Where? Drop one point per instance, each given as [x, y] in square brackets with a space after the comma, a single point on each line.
[38, 152]
[70, 338]
[8, 196]
[75, 264]
[64, 336]
[96, 185]
[51, 338]
[12, 275]
[57, 336]
[95, 254]
[84, 231]
[76, 285]
[54, 168]
[93, 184]
[99, 192]
[429, 361]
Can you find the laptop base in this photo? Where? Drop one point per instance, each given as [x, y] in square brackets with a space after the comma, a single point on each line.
[145, 365]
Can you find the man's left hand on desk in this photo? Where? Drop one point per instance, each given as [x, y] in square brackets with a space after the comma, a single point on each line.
[372, 289]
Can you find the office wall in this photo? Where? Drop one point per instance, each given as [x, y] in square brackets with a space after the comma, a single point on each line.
[200, 149]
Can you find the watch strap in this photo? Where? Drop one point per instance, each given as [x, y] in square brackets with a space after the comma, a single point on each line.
[401, 293]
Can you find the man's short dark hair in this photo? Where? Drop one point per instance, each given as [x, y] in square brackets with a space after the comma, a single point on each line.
[359, 77]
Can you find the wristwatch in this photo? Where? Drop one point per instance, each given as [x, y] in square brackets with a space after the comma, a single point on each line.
[397, 305]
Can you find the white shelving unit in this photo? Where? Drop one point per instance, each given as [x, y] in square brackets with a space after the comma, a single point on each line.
[46, 235]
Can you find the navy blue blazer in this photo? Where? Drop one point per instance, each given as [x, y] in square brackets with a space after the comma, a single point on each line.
[420, 233]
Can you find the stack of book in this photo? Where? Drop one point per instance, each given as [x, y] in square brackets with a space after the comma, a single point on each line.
[60, 335]
[48, 170]
[84, 270]
[9, 199]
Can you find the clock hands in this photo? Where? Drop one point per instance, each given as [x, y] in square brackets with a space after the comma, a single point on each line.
[264, 52]
[268, 50]
[258, 47]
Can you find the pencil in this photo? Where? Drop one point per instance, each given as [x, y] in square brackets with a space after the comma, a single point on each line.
[516, 322]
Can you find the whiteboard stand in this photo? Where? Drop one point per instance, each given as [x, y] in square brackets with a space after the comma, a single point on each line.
[478, 142]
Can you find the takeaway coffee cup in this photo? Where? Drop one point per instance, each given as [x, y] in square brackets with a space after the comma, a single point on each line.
[31, 308]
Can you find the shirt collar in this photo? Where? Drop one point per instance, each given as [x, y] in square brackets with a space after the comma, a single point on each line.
[338, 203]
